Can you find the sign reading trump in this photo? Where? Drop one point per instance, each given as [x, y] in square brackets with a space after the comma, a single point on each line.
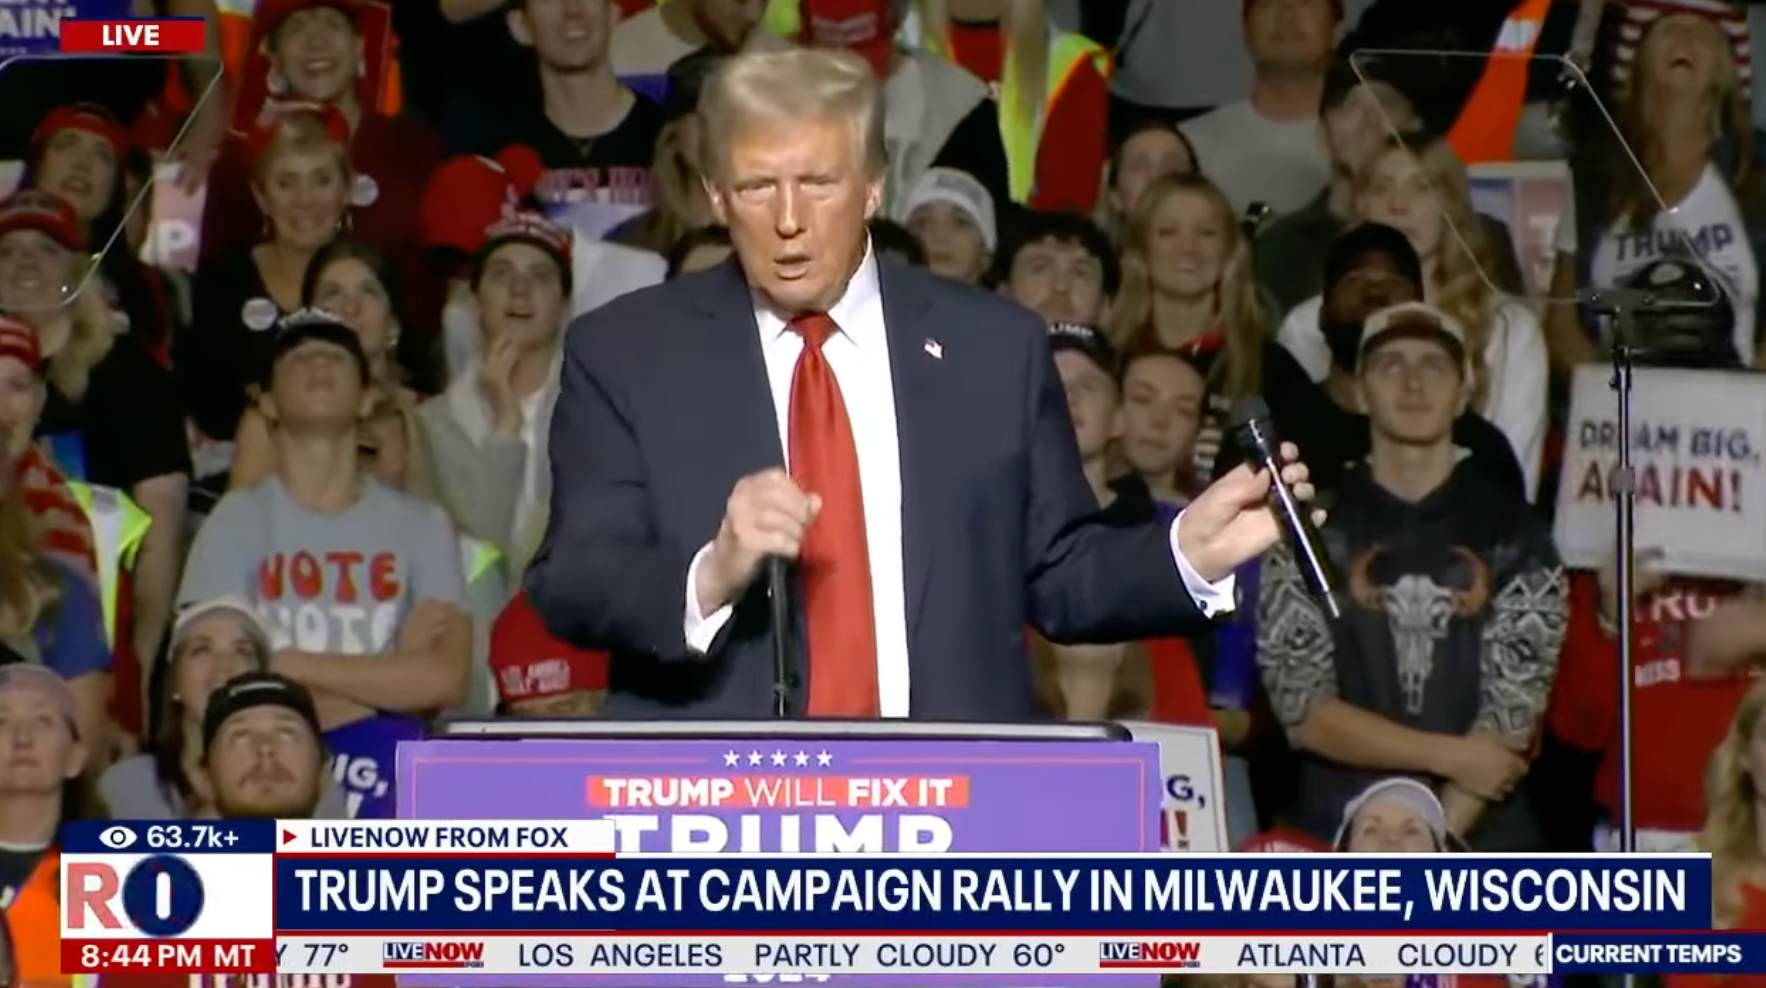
[1696, 438]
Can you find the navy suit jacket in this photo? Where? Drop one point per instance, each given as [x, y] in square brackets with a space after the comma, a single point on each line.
[664, 404]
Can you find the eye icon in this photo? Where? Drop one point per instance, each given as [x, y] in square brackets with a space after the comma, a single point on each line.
[117, 838]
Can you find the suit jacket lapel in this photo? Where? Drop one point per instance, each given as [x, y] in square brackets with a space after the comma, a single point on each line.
[729, 375]
[922, 408]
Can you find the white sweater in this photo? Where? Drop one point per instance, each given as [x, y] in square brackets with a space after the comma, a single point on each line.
[1516, 362]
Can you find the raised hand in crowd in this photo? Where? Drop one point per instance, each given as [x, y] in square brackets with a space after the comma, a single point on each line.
[499, 386]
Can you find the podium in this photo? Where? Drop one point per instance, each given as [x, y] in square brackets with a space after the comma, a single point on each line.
[830, 787]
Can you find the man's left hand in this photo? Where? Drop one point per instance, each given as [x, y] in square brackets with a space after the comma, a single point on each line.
[1232, 523]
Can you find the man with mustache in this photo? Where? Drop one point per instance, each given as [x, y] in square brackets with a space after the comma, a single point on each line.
[262, 749]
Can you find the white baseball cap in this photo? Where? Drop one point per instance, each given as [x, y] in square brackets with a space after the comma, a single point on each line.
[1417, 320]
[959, 189]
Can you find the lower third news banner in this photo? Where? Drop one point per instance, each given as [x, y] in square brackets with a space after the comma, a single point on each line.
[528, 898]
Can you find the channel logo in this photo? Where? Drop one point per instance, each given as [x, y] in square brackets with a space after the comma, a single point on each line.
[158, 896]
[1150, 955]
[434, 955]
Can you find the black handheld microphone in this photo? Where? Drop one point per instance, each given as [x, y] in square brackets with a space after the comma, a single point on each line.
[1255, 432]
[781, 613]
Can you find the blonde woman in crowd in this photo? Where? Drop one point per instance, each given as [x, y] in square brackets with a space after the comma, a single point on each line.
[302, 178]
[353, 280]
[1418, 186]
[49, 614]
[1188, 286]
[1733, 835]
[1683, 117]
[110, 412]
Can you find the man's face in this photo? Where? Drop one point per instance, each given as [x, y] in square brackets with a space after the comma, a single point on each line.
[1389, 828]
[1060, 281]
[954, 245]
[21, 402]
[521, 295]
[796, 196]
[265, 763]
[319, 52]
[1371, 283]
[1092, 401]
[318, 382]
[1412, 389]
[1162, 400]
[1291, 35]
[38, 750]
[36, 271]
[566, 35]
[1145, 158]
[727, 23]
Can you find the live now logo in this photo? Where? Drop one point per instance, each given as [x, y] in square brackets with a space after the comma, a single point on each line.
[166, 35]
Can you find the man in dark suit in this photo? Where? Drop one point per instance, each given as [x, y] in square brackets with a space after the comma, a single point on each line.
[934, 507]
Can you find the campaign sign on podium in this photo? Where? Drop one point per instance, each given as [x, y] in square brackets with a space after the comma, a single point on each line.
[799, 794]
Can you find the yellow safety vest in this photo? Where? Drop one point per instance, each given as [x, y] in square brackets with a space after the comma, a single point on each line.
[1021, 132]
[784, 18]
[477, 557]
[118, 527]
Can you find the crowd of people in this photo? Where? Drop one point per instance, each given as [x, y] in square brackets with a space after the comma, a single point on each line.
[263, 522]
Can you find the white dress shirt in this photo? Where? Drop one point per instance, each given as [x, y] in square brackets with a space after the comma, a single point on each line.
[859, 356]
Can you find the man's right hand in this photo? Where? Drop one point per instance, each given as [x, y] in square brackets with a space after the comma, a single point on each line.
[1484, 766]
[767, 515]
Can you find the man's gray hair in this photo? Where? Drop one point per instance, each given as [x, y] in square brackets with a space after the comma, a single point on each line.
[760, 88]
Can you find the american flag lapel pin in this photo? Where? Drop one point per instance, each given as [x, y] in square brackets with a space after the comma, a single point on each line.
[935, 349]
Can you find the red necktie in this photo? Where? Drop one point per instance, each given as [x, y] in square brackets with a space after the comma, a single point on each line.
[835, 563]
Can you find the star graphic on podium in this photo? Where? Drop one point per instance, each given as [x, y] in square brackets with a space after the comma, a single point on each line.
[802, 759]
[754, 758]
[778, 758]
[731, 758]
[824, 759]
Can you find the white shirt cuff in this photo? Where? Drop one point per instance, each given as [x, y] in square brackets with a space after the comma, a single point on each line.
[1215, 599]
[701, 629]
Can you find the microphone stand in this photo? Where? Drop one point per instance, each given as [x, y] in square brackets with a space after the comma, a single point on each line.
[1623, 304]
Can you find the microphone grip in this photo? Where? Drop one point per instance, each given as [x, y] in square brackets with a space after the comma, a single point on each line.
[780, 606]
[1315, 564]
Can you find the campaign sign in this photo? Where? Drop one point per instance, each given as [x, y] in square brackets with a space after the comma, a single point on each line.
[33, 27]
[1529, 197]
[1192, 814]
[1696, 438]
[801, 795]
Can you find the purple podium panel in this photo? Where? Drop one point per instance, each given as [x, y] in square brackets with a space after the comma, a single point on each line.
[794, 795]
